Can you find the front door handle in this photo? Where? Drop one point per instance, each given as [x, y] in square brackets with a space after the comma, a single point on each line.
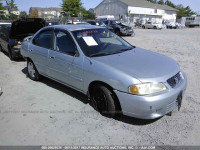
[52, 57]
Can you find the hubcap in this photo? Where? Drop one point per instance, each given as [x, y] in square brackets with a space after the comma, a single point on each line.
[31, 70]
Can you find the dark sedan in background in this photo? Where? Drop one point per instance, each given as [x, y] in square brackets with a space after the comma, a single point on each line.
[11, 35]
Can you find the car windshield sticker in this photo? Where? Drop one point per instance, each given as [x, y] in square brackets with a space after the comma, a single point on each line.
[89, 40]
[86, 33]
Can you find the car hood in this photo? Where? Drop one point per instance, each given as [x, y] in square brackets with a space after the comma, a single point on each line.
[141, 64]
[123, 24]
[25, 27]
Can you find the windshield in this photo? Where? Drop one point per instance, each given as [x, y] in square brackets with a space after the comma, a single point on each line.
[100, 42]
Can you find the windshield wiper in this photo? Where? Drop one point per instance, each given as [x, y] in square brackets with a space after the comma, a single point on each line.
[99, 54]
[122, 50]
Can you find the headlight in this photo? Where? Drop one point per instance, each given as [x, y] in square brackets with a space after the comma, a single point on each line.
[147, 88]
[15, 46]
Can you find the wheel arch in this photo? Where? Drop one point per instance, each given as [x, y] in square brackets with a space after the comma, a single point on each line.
[28, 59]
[93, 83]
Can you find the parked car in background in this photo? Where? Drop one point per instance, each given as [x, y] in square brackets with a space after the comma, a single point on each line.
[82, 23]
[102, 24]
[92, 22]
[4, 35]
[150, 25]
[50, 23]
[120, 27]
[117, 76]
[105, 18]
[170, 25]
[12, 35]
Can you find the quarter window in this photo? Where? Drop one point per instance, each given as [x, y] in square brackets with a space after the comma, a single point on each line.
[43, 39]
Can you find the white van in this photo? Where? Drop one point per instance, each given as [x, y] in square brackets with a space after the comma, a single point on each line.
[192, 21]
[104, 18]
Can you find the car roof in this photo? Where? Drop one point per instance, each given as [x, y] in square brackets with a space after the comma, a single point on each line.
[75, 27]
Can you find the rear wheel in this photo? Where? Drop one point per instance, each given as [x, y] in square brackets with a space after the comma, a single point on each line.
[1, 49]
[32, 71]
[104, 100]
[143, 27]
[154, 27]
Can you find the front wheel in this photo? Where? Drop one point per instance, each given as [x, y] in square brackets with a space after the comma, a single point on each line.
[10, 54]
[104, 101]
[32, 71]
[117, 32]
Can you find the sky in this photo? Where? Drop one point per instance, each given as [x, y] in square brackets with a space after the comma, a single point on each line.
[24, 5]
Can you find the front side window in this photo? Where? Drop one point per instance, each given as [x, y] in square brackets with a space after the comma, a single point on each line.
[112, 22]
[64, 43]
[106, 22]
[43, 39]
[96, 42]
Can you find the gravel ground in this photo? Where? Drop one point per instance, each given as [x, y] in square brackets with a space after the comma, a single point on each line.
[48, 113]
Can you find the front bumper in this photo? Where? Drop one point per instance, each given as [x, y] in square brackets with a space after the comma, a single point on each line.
[127, 32]
[151, 106]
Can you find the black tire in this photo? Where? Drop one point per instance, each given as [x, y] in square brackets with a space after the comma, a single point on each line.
[154, 27]
[1, 49]
[117, 32]
[10, 54]
[32, 72]
[143, 27]
[104, 101]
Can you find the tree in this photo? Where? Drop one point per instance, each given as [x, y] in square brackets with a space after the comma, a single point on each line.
[184, 11]
[74, 7]
[1, 5]
[161, 2]
[2, 16]
[12, 4]
[169, 3]
[23, 14]
[152, 1]
[91, 15]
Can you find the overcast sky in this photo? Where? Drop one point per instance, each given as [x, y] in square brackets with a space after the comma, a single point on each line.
[24, 5]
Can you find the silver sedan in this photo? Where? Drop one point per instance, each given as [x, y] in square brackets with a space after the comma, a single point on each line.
[116, 76]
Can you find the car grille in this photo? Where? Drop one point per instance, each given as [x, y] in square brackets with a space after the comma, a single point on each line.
[173, 81]
[128, 28]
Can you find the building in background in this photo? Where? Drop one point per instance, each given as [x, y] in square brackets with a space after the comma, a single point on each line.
[51, 13]
[134, 10]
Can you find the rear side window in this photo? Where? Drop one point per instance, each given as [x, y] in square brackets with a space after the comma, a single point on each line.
[43, 39]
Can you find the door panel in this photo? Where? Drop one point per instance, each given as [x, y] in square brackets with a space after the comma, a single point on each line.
[63, 65]
[65, 68]
[39, 55]
[39, 50]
